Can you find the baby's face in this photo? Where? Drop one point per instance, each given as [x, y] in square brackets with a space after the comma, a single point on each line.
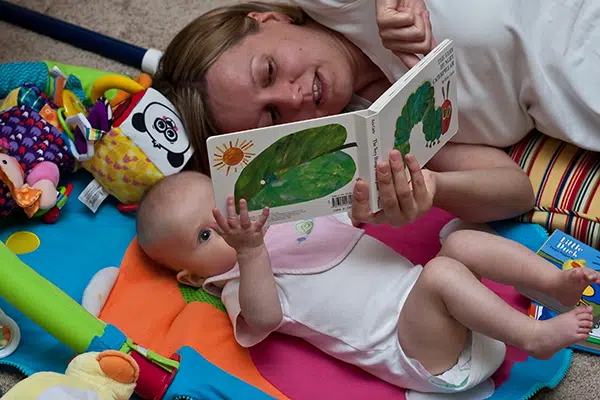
[193, 243]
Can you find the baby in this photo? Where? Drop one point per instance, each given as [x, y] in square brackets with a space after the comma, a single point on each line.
[431, 329]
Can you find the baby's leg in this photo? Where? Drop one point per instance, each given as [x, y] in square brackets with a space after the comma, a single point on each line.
[510, 263]
[447, 299]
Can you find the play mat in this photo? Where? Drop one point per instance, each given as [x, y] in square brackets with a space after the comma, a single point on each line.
[167, 326]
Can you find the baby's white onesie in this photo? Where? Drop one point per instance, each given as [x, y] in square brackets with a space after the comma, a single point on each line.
[349, 308]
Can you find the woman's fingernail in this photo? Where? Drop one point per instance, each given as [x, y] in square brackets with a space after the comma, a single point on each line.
[395, 156]
[384, 169]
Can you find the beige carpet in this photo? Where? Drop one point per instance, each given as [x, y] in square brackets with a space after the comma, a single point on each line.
[152, 23]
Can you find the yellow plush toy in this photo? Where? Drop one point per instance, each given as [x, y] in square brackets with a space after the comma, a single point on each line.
[129, 147]
[109, 375]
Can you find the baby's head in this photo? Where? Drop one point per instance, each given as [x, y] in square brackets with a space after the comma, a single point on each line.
[176, 228]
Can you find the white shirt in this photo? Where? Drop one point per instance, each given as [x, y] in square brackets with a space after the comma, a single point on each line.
[520, 63]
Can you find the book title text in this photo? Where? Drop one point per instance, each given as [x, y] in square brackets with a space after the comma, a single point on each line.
[569, 247]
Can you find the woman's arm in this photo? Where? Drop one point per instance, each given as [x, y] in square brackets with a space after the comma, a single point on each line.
[479, 183]
[473, 182]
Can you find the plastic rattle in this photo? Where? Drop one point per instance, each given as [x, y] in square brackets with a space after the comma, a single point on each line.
[10, 335]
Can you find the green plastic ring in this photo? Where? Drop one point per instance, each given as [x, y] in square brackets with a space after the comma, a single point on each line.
[64, 124]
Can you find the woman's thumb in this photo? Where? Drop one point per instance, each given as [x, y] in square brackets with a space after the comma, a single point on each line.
[409, 59]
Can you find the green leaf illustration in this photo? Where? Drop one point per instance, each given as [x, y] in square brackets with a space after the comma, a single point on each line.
[311, 180]
[298, 167]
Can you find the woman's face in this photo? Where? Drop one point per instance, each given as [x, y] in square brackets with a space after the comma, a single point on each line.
[283, 73]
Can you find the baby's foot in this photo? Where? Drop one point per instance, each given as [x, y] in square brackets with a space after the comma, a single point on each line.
[564, 330]
[572, 282]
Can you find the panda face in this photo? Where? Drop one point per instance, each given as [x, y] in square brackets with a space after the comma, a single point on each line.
[167, 127]
[165, 130]
[163, 125]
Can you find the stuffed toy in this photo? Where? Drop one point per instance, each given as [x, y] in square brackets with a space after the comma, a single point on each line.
[109, 375]
[35, 154]
[130, 148]
[127, 141]
[35, 193]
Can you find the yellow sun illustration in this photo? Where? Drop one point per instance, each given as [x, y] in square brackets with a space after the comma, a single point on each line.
[233, 156]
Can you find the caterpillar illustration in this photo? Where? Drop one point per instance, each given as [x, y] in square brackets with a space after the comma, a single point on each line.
[420, 106]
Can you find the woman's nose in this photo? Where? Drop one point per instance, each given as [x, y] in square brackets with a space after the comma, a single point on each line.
[289, 95]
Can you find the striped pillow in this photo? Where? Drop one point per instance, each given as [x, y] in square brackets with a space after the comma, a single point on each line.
[565, 181]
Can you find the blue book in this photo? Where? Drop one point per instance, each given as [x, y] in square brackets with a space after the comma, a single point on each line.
[566, 252]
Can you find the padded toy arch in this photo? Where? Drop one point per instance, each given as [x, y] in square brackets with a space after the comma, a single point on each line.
[46, 304]
[185, 375]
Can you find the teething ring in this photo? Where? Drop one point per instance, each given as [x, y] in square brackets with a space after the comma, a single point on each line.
[143, 79]
[108, 82]
[61, 118]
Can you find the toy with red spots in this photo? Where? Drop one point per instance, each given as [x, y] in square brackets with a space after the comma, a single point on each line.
[35, 156]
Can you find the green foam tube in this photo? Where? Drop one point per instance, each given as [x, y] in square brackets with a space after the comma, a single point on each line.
[45, 304]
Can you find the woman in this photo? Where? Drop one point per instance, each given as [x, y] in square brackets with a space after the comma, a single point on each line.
[258, 64]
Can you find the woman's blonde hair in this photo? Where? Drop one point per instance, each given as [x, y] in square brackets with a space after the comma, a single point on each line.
[181, 74]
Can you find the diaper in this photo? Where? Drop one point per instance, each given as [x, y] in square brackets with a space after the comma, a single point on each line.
[481, 357]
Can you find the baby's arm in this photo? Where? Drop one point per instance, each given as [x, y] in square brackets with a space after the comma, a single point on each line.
[259, 301]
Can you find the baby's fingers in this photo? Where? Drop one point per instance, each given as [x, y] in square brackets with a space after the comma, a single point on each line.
[221, 221]
[232, 217]
[264, 216]
[244, 217]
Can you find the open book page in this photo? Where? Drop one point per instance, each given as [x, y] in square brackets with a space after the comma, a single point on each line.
[419, 113]
[299, 170]
[424, 116]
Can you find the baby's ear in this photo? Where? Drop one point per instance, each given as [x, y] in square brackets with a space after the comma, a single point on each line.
[188, 278]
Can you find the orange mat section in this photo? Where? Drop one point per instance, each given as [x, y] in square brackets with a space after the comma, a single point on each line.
[147, 306]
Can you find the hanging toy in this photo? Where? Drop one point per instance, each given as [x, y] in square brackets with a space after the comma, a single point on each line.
[35, 149]
[130, 148]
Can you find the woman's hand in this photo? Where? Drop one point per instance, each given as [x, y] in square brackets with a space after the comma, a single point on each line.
[405, 29]
[401, 202]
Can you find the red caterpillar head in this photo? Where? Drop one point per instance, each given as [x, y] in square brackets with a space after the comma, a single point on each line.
[446, 109]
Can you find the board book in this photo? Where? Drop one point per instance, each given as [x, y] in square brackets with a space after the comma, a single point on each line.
[566, 252]
[307, 169]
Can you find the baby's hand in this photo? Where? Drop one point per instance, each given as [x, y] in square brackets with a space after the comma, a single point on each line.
[239, 232]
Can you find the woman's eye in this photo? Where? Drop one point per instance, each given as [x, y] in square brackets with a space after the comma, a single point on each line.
[271, 70]
[204, 235]
[273, 115]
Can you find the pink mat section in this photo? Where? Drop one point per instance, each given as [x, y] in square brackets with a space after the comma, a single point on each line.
[300, 371]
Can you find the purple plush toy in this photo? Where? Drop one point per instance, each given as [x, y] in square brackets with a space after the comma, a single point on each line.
[33, 142]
